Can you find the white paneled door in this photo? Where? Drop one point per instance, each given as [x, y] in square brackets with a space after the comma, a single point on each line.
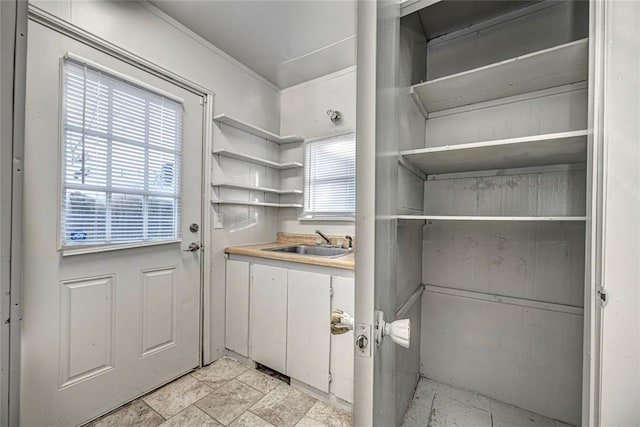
[112, 277]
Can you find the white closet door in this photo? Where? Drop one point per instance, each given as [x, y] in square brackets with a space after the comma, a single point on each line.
[620, 356]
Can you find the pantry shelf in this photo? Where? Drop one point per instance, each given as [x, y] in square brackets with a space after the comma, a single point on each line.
[537, 150]
[247, 203]
[254, 188]
[557, 66]
[490, 218]
[257, 160]
[256, 131]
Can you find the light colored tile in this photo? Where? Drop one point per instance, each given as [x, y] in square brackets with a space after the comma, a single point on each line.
[284, 406]
[220, 372]
[467, 398]
[449, 413]
[259, 381]
[249, 419]
[417, 415]
[136, 413]
[229, 401]
[505, 415]
[425, 390]
[309, 422]
[175, 396]
[191, 417]
[330, 415]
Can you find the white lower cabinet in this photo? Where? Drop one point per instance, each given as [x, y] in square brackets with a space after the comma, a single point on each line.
[280, 317]
[268, 316]
[308, 328]
[237, 307]
[342, 346]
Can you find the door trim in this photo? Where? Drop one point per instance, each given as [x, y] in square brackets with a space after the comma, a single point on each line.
[365, 206]
[14, 40]
[72, 31]
[594, 234]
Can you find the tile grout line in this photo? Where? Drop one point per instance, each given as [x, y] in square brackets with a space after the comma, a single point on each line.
[249, 410]
[154, 410]
[226, 383]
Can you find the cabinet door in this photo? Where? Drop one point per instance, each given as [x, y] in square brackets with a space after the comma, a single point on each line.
[308, 334]
[237, 307]
[268, 316]
[342, 346]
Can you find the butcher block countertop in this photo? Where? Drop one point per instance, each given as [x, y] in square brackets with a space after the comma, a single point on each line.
[347, 262]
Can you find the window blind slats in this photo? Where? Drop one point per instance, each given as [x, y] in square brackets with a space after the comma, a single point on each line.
[121, 161]
[330, 179]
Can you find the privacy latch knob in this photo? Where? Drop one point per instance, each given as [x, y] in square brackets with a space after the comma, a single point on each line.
[399, 330]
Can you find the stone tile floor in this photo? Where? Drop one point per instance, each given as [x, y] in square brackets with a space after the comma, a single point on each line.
[439, 405]
[226, 393]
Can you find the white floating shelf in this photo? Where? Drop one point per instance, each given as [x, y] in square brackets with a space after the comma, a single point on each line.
[256, 160]
[491, 218]
[537, 150]
[557, 66]
[266, 204]
[254, 188]
[254, 130]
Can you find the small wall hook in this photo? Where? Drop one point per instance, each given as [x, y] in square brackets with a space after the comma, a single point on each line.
[335, 116]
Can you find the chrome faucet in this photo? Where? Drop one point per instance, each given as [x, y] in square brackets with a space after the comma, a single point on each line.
[326, 239]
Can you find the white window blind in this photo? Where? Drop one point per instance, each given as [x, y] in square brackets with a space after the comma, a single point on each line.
[330, 177]
[121, 161]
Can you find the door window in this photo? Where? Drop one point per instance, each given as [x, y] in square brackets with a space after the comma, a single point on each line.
[121, 160]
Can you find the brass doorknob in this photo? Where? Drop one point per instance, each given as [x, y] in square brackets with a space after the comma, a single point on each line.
[341, 322]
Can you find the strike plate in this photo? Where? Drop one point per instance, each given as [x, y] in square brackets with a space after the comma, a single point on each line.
[362, 329]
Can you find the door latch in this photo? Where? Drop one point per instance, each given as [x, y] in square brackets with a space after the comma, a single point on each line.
[363, 339]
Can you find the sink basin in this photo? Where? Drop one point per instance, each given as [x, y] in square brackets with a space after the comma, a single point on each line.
[319, 251]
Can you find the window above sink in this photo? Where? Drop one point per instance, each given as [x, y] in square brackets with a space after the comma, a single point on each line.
[330, 178]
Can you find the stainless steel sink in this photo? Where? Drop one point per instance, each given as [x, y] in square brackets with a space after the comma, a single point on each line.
[319, 251]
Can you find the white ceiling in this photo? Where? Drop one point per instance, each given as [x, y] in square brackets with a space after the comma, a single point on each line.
[286, 41]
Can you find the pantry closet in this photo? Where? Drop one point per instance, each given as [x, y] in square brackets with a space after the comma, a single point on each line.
[493, 147]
